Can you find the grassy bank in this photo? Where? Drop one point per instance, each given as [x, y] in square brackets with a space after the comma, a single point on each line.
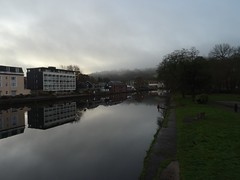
[208, 148]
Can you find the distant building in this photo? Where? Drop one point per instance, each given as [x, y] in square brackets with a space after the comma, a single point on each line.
[117, 87]
[101, 87]
[12, 81]
[50, 80]
[155, 84]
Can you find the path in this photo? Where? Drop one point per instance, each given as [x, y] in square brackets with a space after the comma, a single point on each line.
[165, 150]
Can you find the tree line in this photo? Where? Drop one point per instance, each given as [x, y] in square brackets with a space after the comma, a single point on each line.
[186, 72]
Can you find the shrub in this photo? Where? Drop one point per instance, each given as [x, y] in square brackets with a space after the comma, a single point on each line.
[202, 98]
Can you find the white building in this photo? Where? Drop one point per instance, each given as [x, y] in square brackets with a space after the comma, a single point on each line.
[12, 81]
[51, 79]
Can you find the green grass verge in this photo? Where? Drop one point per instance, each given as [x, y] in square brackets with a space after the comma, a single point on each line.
[208, 148]
[162, 166]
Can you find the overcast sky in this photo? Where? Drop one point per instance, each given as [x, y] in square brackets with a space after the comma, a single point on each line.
[102, 35]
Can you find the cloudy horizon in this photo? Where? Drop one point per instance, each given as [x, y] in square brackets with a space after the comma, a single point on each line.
[101, 35]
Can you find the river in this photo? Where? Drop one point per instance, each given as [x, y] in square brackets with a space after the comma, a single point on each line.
[102, 139]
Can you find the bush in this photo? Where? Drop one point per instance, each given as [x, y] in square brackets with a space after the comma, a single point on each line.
[202, 99]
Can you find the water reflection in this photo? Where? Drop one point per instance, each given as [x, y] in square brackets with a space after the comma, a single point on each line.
[44, 117]
[106, 101]
[12, 122]
[98, 138]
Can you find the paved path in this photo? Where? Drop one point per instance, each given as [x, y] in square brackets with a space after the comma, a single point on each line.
[229, 105]
[165, 149]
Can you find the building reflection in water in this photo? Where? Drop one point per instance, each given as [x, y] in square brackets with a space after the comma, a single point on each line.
[106, 101]
[12, 122]
[44, 117]
[115, 99]
[48, 116]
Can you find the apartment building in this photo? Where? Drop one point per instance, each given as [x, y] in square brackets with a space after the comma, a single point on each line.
[12, 81]
[50, 79]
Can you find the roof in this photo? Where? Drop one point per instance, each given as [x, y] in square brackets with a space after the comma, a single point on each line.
[51, 69]
[115, 82]
[10, 69]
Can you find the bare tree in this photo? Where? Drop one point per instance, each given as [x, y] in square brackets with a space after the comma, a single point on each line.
[72, 68]
[237, 51]
[221, 51]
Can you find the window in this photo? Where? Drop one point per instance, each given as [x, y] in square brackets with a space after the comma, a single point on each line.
[1, 124]
[17, 70]
[14, 81]
[14, 120]
[0, 81]
[13, 93]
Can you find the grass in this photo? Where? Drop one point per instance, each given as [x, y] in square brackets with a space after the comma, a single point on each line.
[208, 148]
[162, 166]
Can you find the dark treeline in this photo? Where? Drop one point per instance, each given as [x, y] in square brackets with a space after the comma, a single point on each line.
[187, 72]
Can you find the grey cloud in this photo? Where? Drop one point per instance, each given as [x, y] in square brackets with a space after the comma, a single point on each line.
[103, 35]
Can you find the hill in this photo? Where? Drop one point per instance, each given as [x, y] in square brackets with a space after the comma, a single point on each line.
[126, 75]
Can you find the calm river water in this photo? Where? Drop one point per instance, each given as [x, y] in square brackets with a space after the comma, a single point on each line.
[102, 139]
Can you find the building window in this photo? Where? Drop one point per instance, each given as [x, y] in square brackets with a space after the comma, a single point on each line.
[14, 120]
[7, 69]
[1, 124]
[14, 81]
[0, 81]
[17, 70]
[14, 93]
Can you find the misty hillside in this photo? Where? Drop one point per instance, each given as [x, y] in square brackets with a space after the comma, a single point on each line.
[126, 75]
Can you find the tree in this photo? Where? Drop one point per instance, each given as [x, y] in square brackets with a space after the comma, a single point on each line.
[75, 68]
[221, 51]
[225, 73]
[140, 83]
[182, 70]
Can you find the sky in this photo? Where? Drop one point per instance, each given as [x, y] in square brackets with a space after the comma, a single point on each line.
[101, 35]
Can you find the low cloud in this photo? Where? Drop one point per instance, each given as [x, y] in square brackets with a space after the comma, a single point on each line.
[105, 35]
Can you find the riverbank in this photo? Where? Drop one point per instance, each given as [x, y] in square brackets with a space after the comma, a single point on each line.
[21, 99]
[30, 99]
[206, 146]
[160, 161]
[9, 100]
